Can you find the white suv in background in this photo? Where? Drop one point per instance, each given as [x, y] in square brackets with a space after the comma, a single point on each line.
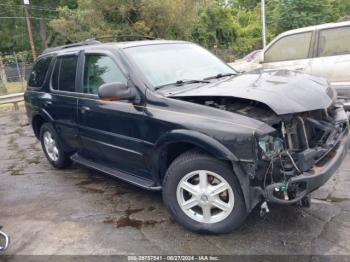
[321, 50]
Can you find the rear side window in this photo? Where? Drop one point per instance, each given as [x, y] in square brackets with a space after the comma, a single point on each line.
[37, 76]
[63, 77]
[291, 47]
[334, 42]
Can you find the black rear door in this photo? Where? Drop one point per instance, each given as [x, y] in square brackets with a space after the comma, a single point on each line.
[61, 103]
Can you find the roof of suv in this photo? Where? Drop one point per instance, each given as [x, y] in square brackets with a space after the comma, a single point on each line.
[315, 27]
[92, 44]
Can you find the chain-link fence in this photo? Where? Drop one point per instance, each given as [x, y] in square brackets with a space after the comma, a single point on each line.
[14, 77]
[17, 74]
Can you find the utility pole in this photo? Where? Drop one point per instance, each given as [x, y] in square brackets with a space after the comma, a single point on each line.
[263, 22]
[43, 33]
[29, 27]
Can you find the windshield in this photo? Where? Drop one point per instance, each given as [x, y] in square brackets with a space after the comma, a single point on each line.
[167, 64]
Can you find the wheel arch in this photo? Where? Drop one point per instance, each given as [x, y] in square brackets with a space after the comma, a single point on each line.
[38, 120]
[197, 139]
[184, 140]
[172, 144]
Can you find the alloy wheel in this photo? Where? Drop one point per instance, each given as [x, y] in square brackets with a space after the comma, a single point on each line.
[50, 146]
[205, 196]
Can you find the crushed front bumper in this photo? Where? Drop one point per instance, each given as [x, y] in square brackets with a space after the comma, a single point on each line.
[314, 178]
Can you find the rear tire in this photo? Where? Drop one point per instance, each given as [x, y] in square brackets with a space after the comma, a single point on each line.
[52, 147]
[215, 203]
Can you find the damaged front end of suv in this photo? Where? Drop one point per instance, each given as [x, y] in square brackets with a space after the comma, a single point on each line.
[301, 154]
[309, 137]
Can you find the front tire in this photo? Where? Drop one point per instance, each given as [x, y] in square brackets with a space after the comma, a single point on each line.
[52, 147]
[203, 194]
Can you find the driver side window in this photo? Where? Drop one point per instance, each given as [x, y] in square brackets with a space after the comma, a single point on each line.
[98, 70]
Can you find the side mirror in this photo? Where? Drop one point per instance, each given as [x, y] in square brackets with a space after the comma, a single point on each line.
[116, 91]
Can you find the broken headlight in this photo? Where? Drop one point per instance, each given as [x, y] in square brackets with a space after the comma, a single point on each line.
[270, 146]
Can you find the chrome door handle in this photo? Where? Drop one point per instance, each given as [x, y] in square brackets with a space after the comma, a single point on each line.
[84, 109]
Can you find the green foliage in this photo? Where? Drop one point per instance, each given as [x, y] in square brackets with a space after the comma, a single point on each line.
[249, 30]
[215, 27]
[105, 18]
[11, 29]
[3, 90]
[161, 18]
[341, 8]
[14, 35]
[245, 4]
[22, 56]
[291, 14]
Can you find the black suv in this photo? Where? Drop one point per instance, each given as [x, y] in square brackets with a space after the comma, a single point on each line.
[170, 116]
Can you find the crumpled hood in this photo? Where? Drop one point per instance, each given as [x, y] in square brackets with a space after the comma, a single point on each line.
[283, 91]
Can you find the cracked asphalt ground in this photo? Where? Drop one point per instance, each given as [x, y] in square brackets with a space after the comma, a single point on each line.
[79, 211]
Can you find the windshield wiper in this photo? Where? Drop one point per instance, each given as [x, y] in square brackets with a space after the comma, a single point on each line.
[183, 82]
[190, 81]
[220, 76]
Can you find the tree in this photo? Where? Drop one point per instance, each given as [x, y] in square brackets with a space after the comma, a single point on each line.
[248, 30]
[291, 14]
[14, 35]
[215, 27]
[341, 8]
[120, 17]
[235, 27]
[244, 4]
[161, 18]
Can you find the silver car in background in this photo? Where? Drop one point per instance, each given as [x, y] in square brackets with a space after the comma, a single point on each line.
[247, 63]
[321, 50]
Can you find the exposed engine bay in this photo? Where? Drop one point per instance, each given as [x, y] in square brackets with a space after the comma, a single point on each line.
[300, 145]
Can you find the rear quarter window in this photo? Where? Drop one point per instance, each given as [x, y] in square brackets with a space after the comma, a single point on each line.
[334, 41]
[37, 76]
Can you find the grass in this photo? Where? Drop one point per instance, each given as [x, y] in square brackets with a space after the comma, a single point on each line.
[13, 87]
[8, 107]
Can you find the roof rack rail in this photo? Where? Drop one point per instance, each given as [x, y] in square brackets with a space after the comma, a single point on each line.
[86, 42]
[116, 37]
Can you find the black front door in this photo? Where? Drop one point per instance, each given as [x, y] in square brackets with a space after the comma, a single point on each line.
[110, 129]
